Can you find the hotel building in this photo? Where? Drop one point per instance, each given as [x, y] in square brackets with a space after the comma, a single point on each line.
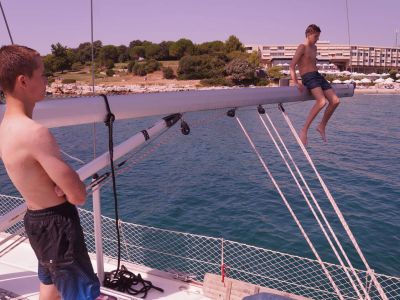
[357, 58]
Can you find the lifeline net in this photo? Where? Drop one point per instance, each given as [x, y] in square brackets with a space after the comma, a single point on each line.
[196, 255]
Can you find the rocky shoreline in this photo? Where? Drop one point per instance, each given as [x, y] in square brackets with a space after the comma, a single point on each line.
[75, 89]
[60, 89]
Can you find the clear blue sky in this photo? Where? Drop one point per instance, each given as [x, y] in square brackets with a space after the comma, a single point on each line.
[39, 23]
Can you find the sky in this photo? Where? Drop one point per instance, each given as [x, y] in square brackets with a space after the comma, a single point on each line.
[40, 23]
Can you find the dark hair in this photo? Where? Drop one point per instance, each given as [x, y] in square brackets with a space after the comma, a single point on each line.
[312, 29]
[16, 60]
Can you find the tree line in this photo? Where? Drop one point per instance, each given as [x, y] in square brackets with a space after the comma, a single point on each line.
[215, 62]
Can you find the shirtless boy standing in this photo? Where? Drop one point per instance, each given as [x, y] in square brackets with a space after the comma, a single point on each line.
[49, 186]
[305, 57]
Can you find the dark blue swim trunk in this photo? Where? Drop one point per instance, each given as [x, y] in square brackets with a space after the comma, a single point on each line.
[312, 80]
[57, 238]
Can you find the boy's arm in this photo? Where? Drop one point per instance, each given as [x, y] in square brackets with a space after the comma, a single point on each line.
[299, 53]
[46, 151]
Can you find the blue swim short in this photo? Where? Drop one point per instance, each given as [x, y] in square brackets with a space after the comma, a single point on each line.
[57, 238]
[312, 80]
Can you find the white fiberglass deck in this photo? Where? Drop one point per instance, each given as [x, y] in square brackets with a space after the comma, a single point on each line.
[18, 275]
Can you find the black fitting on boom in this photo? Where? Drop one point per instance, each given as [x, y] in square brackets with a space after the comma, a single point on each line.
[261, 110]
[185, 129]
[172, 119]
[231, 113]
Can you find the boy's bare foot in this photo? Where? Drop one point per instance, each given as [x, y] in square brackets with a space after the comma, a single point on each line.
[303, 137]
[321, 130]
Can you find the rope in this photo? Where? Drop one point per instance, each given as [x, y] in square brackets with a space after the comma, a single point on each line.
[123, 280]
[312, 209]
[109, 121]
[72, 157]
[335, 207]
[348, 33]
[5, 20]
[291, 210]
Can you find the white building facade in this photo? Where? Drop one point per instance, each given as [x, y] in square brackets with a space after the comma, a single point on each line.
[355, 58]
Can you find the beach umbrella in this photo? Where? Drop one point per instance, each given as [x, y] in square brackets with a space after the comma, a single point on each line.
[279, 65]
[379, 80]
[348, 81]
[373, 74]
[337, 81]
[357, 81]
[285, 64]
[365, 80]
[389, 80]
[397, 75]
[346, 73]
[398, 80]
[385, 74]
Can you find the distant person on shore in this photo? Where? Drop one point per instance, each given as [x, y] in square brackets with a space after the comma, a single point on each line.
[305, 58]
[50, 188]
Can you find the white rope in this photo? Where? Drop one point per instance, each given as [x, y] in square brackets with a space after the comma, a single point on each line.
[335, 207]
[291, 211]
[72, 157]
[311, 207]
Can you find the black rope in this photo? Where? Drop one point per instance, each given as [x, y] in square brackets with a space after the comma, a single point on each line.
[5, 20]
[123, 280]
[120, 279]
[109, 121]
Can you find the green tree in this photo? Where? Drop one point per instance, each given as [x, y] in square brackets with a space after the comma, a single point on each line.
[135, 43]
[210, 47]
[241, 71]
[164, 50]
[137, 51]
[108, 53]
[254, 59]
[233, 44]
[168, 73]
[123, 53]
[84, 51]
[139, 69]
[152, 51]
[48, 62]
[181, 48]
[200, 66]
[131, 64]
[237, 54]
[151, 66]
[61, 60]
[275, 73]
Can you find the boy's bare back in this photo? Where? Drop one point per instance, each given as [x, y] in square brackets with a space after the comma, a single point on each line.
[21, 146]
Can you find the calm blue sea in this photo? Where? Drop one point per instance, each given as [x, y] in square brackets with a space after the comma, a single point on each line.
[211, 182]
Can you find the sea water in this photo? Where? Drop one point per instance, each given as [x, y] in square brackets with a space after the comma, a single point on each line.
[211, 182]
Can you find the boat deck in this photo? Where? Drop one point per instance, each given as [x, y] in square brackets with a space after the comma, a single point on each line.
[18, 276]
